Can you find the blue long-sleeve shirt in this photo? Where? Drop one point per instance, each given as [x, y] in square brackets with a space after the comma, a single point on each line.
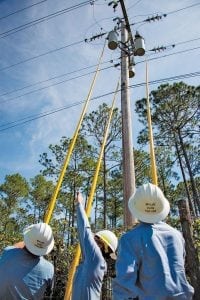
[24, 276]
[89, 275]
[150, 265]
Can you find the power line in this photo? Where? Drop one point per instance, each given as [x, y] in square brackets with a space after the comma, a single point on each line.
[134, 4]
[54, 84]
[175, 11]
[72, 44]
[63, 11]
[22, 9]
[166, 55]
[63, 81]
[67, 46]
[40, 55]
[184, 42]
[171, 12]
[159, 17]
[172, 45]
[41, 115]
[52, 78]
[42, 19]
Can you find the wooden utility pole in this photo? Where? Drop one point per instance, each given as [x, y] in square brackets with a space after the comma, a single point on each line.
[127, 143]
[192, 260]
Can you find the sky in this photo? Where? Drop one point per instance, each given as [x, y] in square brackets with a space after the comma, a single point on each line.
[47, 63]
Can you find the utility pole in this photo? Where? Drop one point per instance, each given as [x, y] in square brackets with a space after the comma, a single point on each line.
[127, 143]
[130, 47]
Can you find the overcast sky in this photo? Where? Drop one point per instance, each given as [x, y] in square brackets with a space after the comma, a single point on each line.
[46, 65]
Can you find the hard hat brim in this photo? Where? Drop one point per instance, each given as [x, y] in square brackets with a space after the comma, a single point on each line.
[150, 218]
[105, 240]
[34, 249]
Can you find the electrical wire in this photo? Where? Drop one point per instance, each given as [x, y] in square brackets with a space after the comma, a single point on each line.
[42, 19]
[40, 55]
[134, 4]
[188, 41]
[175, 11]
[67, 46]
[54, 84]
[173, 45]
[69, 79]
[66, 10]
[22, 9]
[41, 115]
[52, 78]
[163, 14]
[170, 54]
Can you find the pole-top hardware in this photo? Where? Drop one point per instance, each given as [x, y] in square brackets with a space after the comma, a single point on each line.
[131, 68]
[114, 4]
[131, 60]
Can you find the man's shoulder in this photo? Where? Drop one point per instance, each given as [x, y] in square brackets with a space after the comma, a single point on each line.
[46, 263]
[11, 250]
[133, 231]
[46, 268]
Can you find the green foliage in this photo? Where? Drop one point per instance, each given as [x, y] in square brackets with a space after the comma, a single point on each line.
[14, 188]
[196, 235]
[22, 203]
[175, 115]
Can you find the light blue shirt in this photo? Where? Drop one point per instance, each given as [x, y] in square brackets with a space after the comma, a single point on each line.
[90, 272]
[150, 265]
[24, 276]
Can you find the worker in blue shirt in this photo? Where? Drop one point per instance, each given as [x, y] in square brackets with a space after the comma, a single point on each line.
[24, 273]
[95, 249]
[150, 262]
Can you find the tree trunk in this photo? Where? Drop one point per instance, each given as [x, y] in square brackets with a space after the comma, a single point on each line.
[192, 260]
[193, 185]
[184, 179]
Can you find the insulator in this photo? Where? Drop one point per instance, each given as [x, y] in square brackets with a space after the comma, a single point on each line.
[131, 61]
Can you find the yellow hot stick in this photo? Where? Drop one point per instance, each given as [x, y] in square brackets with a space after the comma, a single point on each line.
[71, 147]
[152, 154]
[75, 262]
[94, 183]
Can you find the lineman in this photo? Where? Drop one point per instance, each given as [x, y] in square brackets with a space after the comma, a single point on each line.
[95, 249]
[24, 272]
[150, 263]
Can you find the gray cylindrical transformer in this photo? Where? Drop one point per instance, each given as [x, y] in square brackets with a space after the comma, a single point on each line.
[112, 40]
[139, 46]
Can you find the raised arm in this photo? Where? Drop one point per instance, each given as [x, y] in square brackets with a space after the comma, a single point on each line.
[87, 242]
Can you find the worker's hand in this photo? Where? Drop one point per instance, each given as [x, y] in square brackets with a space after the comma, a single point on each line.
[79, 197]
[19, 245]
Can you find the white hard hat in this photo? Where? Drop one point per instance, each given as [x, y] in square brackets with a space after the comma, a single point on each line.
[38, 239]
[148, 204]
[109, 238]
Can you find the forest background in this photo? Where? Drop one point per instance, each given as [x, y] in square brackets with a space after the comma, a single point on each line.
[48, 56]
[175, 117]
